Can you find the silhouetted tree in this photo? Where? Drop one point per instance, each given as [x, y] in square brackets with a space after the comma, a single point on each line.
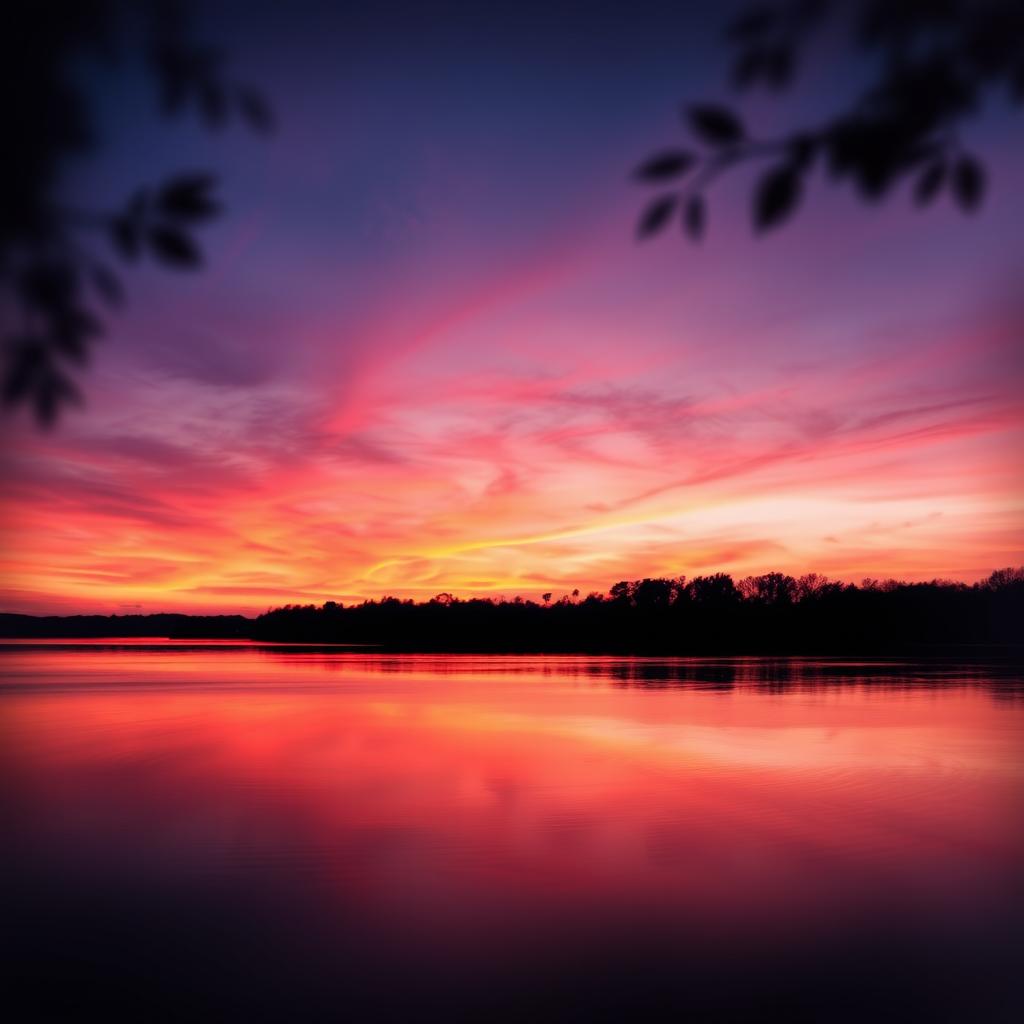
[771, 588]
[56, 272]
[933, 63]
[654, 593]
[717, 591]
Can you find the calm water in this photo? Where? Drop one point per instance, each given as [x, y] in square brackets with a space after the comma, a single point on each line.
[204, 830]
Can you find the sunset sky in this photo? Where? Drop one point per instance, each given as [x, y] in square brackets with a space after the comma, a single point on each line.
[427, 355]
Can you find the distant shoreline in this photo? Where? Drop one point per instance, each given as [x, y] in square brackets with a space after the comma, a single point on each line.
[772, 614]
[963, 653]
[165, 625]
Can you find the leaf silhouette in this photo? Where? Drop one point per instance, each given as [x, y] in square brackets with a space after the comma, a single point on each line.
[656, 216]
[695, 217]
[968, 183]
[30, 373]
[802, 150]
[49, 286]
[777, 196]
[929, 183]
[71, 333]
[716, 125]
[174, 247]
[187, 197]
[670, 164]
[749, 67]
[26, 358]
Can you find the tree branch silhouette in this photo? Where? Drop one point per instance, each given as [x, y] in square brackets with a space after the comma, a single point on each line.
[937, 60]
[58, 276]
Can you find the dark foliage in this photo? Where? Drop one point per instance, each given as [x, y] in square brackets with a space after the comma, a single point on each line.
[936, 62]
[773, 613]
[716, 126]
[656, 216]
[56, 274]
[666, 165]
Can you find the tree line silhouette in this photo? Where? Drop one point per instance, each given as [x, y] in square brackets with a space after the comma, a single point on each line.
[771, 613]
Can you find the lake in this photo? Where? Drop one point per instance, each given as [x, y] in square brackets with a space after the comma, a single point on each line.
[229, 830]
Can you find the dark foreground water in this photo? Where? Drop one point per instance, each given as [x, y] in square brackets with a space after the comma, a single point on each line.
[205, 831]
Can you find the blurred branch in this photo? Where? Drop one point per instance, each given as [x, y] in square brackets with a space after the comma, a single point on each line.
[937, 60]
[52, 285]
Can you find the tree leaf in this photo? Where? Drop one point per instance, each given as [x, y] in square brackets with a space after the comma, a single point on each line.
[187, 197]
[802, 149]
[173, 247]
[25, 360]
[718, 126]
[749, 67]
[929, 183]
[656, 216]
[695, 217]
[670, 164]
[30, 374]
[49, 286]
[968, 183]
[777, 196]
[70, 333]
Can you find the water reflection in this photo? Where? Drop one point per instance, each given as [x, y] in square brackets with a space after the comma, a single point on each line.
[286, 832]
